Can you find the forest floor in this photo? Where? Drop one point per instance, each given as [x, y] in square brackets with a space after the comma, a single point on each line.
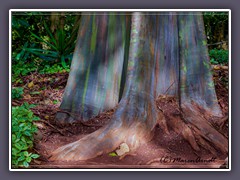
[163, 151]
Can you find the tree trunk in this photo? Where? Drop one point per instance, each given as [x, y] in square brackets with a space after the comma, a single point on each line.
[57, 21]
[96, 71]
[165, 55]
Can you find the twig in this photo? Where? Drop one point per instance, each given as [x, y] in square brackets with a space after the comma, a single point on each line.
[169, 88]
[217, 43]
[83, 123]
[36, 150]
[43, 121]
[220, 67]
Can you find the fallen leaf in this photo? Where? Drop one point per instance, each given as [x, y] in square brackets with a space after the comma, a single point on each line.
[30, 85]
[112, 154]
[27, 96]
[39, 125]
[35, 92]
[47, 101]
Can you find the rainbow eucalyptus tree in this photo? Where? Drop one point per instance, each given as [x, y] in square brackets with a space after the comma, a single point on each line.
[127, 61]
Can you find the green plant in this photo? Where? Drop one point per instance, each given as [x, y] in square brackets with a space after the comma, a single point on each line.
[17, 92]
[58, 47]
[56, 68]
[216, 27]
[21, 54]
[22, 69]
[218, 56]
[22, 24]
[22, 135]
[55, 101]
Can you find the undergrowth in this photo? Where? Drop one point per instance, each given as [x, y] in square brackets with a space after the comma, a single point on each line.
[23, 130]
[218, 56]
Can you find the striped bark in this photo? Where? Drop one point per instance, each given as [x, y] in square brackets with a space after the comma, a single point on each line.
[96, 71]
[166, 54]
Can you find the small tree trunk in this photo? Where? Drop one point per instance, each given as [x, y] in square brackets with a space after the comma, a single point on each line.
[57, 21]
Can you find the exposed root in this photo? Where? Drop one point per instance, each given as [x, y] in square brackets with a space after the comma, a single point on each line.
[180, 127]
[222, 122]
[193, 126]
[161, 121]
[133, 125]
[205, 144]
[188, 135]
[102, 141]
[206, 130]
[130, 124]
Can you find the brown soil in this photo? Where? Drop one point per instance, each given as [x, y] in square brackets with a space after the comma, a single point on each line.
[163, 151]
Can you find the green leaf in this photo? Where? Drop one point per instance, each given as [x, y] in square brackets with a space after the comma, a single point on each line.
[32, 106]
[35, 92]
[28, 159]
[27, 133]
[14, 137]
[23, 139]
[53, 53]
[35, 156]
[43, 52]
[41, 39]
[18, 146]
[55, 101]
[63, 62]
[35, 118]
[112, 154]
[14, 151]
[25, 153]
[50, 34]
[25, 164]
[21, 158]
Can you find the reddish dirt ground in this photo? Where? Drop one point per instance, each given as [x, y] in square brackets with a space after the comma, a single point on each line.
[163, 151]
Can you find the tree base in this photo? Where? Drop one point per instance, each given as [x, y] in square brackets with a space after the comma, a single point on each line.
[132, 129]
[130, 124]
[194, 124]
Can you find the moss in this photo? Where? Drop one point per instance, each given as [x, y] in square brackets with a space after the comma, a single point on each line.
[94, 35]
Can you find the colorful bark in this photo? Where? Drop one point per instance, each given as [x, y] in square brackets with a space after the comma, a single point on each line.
[167, 54]
[94, 80]
[196, 83]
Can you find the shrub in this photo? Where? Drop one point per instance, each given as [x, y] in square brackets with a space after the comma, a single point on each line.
[22, 135]
[17, 92]
[56, 68]
[59, 47]
[22, 69]
[218, 56]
